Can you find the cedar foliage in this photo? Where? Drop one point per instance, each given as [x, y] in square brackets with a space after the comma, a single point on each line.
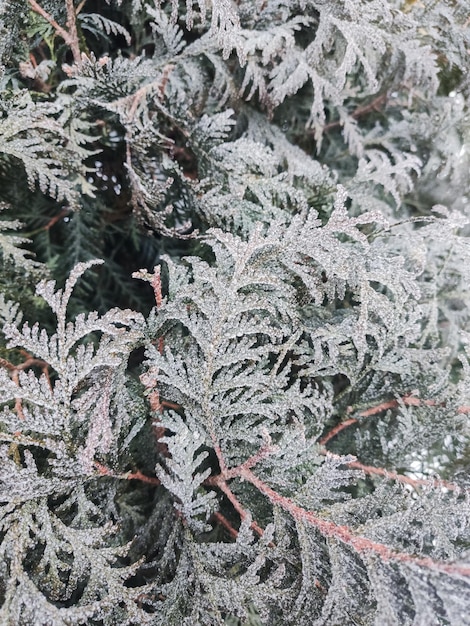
[234, 290]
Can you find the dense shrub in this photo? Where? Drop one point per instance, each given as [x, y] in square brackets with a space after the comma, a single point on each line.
[235, 377]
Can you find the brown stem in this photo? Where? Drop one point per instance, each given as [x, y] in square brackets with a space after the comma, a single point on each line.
[219, 455]
[142, 477]
[80, 7]
[170, 405]
[157, 285]
[150, 378]
[360, 111]
[157, 290]
[384, 406]
[392, 404]
[337, 429]
[29, 361]
[18, 404]
[56, 219]
[74, 42]
[223, 521]
[71, 36]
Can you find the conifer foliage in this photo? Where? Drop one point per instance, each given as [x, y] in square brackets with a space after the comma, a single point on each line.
[234, 291]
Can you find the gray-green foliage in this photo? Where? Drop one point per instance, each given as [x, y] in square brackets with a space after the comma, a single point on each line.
[274, 429]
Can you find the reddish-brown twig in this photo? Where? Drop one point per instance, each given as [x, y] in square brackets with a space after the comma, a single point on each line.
[56, 219]
[74, 41]
[157, 290]
[223, 521]
[327, 528]
[385, 406]
[150, 378]
[375, 105]
[14, 370]
[435, 483]
[151, 480]
[392, 404]
[220, 482]
[70, 36]
[337, 429]
[106, 471]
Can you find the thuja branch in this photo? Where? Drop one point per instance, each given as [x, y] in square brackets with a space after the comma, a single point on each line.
[70, 36]
[385, 406]
[14, 370]
[220, 482]
[375, 105]
[346, 535]
[380, 471]
[406, 480]
[327, 528]
[73, 33]
[137, 475]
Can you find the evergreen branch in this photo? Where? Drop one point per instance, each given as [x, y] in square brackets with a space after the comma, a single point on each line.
[380, 471]
[347, 536]
[221, 482]
[406, 480]
[74, 41]
[137, 475]
[14, 370]
[337, 429]
[69, 36]
[361, 111]
[223, 521]
[380, 408]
